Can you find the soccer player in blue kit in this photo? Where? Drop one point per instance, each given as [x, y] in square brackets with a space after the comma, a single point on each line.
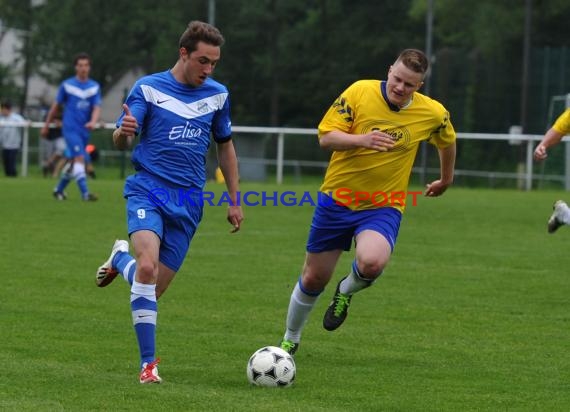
[173, 112]
[80, 98]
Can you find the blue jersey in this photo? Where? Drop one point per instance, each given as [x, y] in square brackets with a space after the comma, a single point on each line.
[175, 122]
[78, 98]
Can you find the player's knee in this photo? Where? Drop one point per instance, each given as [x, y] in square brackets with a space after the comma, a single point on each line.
[147, 271]
[370, 269]
[312, 282]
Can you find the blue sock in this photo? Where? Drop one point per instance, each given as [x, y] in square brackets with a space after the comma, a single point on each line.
[126, 265]
[63, 182]
[82, 184]
[144, 310]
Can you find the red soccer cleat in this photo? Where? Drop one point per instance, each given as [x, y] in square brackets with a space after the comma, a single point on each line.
[149, 373]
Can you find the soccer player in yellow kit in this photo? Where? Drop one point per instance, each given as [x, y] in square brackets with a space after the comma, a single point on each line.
[374, 129]
[561, 127]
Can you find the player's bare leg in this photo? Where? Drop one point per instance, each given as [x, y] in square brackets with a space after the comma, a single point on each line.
[372, 255]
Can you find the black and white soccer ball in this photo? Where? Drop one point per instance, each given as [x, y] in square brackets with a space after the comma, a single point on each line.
[271, 366]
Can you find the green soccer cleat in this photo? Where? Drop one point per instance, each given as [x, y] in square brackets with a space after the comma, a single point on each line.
[338, 309]
[289, 347]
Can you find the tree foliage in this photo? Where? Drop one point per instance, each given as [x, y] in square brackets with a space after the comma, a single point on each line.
[286, 60]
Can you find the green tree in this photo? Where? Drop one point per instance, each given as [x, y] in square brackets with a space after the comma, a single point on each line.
[298, 55]
[8, 89]
[17, 15]
[118, 35]
[286, 60]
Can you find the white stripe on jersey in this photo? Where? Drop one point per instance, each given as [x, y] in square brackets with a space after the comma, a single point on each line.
[188, 111]
[80, 93]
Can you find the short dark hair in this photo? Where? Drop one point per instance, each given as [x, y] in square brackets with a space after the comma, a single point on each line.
[199, 31]
[81, 56]
[6, 104]
[415, 60]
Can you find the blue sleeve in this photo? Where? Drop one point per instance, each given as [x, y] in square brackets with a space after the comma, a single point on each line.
[61, 95]
[222, 123]
[97, 98]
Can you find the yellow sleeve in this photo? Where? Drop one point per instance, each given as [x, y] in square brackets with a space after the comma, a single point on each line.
[340, 116]
[562, 124]
[444, 135]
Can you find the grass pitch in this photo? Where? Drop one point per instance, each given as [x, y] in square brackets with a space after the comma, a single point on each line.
[471, 314]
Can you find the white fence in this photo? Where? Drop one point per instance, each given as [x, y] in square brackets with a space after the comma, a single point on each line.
[284, 134]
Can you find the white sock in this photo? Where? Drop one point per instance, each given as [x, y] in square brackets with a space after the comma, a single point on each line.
[564, 214]
[78, 171]
[353, 282]
[300, 306]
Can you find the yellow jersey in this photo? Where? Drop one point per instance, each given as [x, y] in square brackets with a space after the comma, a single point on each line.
[370, 178]
[562, 124]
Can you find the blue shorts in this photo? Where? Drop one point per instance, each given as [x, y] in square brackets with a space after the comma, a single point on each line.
[67, 154]
[75, 146]
[152, 205]
[334, 226]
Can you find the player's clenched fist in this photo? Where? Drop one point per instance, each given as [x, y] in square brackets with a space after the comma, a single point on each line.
[124, 135]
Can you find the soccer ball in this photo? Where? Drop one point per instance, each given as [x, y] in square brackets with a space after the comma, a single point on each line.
[271, 366]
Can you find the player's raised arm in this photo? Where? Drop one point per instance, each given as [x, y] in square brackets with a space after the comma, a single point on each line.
[123, 136]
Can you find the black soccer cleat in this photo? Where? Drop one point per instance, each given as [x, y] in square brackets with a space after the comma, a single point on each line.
[59, 195]
[338, 309]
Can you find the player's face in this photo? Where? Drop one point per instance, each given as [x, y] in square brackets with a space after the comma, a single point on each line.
[199, 64]
[82, 68]
[402, 83]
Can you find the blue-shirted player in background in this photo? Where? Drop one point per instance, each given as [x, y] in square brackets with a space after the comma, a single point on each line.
[80, 99]
[174, 113]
